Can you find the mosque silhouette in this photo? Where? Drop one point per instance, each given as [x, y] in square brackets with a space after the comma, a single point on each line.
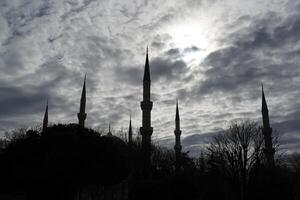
[146, 130]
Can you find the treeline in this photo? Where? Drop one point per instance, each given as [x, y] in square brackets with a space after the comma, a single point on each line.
[69, 162]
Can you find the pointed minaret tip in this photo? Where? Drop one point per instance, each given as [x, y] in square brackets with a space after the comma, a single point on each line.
[177, 119]
[264, 102]
[130, 130]
[83, 97]
[109, 131]
[82, 115]
[147, 68]
[45, 120]
[46, 111]
[130, 123]
[177, 110]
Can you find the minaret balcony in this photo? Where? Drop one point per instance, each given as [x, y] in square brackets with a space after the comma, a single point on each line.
[177, 132]
[146, 130]
[146, 105]
[81, 116]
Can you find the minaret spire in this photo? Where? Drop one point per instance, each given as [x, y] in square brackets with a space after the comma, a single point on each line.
[177, 119]
[177, 133]
[130, 131]
[146, 106]
[147, 68]
[109, 132]
[82, 115]
[45, 121]
[264, 109]
[267, 131]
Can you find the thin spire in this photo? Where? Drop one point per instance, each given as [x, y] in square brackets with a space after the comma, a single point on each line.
[83, 97]
[267, 131]
[147, 69]
[177, 146]
[130, 130]
[109, 132]
[45, 121]
[177, 118]
[82, 115]
[264, 106]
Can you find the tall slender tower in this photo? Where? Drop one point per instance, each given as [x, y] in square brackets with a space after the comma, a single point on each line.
[267, 131]
[130, 132]
[109, 134]
[177, 133]
[45, 121]
[146, 106]
[82, 115]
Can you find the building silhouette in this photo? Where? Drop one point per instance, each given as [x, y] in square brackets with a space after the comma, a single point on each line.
[267, 132]
[145, 131]
[177, 146]
[146, 106]
[82, 115]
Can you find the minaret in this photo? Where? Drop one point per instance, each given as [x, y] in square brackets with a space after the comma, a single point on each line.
[130, 132]
[45, 121]
[82, 115]
[109, 134]
[146, 106]
[267, 131]
[177, 133]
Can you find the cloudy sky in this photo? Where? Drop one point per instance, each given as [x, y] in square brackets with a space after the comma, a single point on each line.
[210, 54]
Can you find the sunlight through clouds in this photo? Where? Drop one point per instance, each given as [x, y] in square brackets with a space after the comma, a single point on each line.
[211, 55]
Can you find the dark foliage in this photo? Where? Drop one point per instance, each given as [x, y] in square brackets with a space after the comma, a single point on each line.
[60, 160]
[69, 162]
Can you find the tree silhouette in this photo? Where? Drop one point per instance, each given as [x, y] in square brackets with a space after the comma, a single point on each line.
[71, 162]
[62, 160]
[235, 153]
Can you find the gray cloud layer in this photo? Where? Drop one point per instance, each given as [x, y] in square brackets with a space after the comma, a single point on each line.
[48, 46]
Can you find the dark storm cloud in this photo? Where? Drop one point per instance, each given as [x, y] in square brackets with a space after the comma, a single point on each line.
[290, 143]
[29, 98]
[198, 139]
[17, 101]
[193, 143]
[160, 41]
[48, 46]
[162, 68]
[252, 57]
[178, 52]
[173, 52]
[191, 49]
[287, 127]
[130, 75]
[158, 45]
[264, 51]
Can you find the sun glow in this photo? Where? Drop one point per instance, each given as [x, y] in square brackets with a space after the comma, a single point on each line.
[190, 35]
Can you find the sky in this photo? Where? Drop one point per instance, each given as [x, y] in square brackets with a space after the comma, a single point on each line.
[210, 54]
